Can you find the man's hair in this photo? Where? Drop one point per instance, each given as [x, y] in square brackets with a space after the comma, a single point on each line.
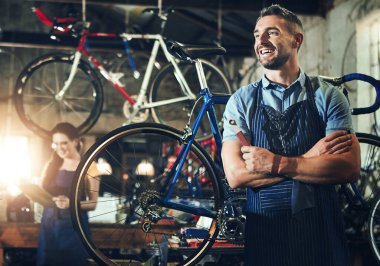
[277, 10]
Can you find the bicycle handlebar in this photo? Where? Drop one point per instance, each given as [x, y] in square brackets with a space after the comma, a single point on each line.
[362, 77]
[62, 25]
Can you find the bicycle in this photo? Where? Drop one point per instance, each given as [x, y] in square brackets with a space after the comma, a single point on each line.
[373, 228]
[239, 75]
[185, 206]
[60, 87]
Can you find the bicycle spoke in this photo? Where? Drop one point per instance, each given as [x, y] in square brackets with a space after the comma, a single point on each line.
[141, 161]
[40, 84]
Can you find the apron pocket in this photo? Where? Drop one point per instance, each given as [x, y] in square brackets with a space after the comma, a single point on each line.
[277, 197]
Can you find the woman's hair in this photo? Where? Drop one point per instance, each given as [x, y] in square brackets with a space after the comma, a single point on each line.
[55, 162]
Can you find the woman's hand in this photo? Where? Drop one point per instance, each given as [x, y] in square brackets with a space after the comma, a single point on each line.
[62, 202]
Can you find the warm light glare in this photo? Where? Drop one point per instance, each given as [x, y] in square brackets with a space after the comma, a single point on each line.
[104, 167]
[14, 160]
[145, 168]
[13, 190]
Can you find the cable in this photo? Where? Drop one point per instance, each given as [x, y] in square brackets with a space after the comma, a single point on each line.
[84, 11]
[350, 89]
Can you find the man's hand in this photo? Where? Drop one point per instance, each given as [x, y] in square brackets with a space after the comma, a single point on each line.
[335, 143]
[258, 160]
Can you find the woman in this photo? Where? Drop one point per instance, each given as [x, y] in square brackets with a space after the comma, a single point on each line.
[58, 242]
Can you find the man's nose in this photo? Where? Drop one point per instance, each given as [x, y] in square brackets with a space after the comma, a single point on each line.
[263, 38]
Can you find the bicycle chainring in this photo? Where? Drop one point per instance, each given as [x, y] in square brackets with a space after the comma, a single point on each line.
[231, 220]
[141, 115]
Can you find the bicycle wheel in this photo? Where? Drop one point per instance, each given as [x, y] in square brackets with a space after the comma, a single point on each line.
[369, 181]
[140, 217]
[374, 228]
[11, 63]
[369, 187]
[132, 78]
[36, 95]
[166, 87]
[355, 209]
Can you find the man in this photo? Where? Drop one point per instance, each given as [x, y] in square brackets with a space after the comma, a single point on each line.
[299, 129]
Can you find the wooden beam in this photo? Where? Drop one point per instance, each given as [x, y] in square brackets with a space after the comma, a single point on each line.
[307, 7]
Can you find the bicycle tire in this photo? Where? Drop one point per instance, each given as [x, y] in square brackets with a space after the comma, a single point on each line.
[355, 207]
[124, 148]
[39, 82]
[369, 181]
[11, 63]
[369, 187]
[374, 228]
[165, 86]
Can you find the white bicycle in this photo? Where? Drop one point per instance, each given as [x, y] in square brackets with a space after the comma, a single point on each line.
[60, 87]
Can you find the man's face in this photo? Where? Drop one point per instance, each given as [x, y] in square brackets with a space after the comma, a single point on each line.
[273, 42]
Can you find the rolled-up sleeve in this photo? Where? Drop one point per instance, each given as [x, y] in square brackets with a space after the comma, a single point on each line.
[337, 113]
[235, 110]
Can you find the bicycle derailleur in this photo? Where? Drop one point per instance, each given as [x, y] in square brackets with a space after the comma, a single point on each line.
[149, 209]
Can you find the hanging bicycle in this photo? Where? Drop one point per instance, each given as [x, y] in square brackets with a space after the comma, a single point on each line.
[64, 87]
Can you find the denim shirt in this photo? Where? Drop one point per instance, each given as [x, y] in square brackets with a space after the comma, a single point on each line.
[332, 104]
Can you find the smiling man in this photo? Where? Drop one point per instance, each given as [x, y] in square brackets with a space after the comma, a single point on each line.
[300, 132]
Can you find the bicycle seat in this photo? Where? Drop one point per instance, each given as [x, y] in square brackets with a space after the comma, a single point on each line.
[193, 51]
[156, 10]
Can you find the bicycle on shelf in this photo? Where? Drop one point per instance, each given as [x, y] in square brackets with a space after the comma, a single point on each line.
[185, 206]
[239, 75]
[59, 87]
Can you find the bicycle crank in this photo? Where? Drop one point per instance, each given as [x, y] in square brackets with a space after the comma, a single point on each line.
[141, 115]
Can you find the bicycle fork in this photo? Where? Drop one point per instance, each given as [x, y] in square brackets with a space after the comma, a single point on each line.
[73, 71]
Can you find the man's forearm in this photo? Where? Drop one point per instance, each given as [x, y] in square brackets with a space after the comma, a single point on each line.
[324, 169]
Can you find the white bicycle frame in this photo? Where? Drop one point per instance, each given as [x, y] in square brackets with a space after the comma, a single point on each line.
[139, 103]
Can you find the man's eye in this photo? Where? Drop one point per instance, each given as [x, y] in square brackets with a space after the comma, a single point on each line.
[272, 32]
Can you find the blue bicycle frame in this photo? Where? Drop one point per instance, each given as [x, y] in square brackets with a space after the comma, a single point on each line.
[208, 107]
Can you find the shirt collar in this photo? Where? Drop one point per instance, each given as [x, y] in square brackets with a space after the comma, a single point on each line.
[268, 85]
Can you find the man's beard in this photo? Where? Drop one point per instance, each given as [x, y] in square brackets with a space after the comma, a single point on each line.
[275, 63]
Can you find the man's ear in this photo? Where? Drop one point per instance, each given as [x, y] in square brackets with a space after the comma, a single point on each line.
[298, 39]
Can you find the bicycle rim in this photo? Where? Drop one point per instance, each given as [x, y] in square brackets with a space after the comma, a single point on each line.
[368, 186]
[369, 181]
[355, 207]
[141, 157]
[374, 228]
[166, 86]
[36, 95]
[8, 74]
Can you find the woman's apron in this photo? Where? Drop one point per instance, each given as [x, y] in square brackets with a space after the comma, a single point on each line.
[58, 243]
[292, 223]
